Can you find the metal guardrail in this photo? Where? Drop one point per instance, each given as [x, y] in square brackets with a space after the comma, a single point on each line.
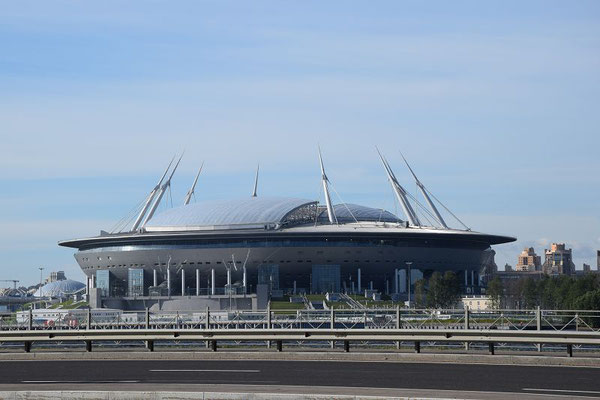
[365, 326]
[212, 336]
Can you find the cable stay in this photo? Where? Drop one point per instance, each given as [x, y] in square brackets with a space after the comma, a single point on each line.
[325, 182]
[344, 203]
[425, 195]
[149, 199]
[401, 193]
[161, 193]
[191, 192]
[256, 181]
[448, 210]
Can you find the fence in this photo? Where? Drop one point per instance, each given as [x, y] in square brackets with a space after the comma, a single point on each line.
[365, 327]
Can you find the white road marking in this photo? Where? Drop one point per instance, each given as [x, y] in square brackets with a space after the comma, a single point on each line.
[80, 381]
[207, 370]
[561, 391]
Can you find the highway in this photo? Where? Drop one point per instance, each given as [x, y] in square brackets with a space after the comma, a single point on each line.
[139, 375]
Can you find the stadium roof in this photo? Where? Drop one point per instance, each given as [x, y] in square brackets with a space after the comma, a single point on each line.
[58, 288]
[232, 214]
[348, 213]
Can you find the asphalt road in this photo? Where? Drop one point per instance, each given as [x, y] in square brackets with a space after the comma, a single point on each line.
[565, 381]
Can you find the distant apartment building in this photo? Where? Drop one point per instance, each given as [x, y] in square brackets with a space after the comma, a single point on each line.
[528, 261]
[558, 260]
[587, 268]
[55, 276]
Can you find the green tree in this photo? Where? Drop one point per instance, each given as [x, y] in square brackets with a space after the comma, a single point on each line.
[420, 293]
[451, 293]
[589, 301]
[495, 291]
[436, 290]
[530, 293]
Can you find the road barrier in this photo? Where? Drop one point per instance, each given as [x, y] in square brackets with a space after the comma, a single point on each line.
[566, 328]
[279, 336]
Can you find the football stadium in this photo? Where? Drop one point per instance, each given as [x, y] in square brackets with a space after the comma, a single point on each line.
[240, 252]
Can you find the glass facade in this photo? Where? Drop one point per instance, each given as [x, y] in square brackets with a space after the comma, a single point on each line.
[325, 278]
[269, 275]
[103, 282]
[135, 282]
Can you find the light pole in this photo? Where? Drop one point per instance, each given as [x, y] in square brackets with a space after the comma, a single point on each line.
[41, 277]
[408, 264]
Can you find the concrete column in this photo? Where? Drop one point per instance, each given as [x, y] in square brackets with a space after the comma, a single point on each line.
[472, 277]
[466, 278]
[371, 285]
[168, 281]
[353, 287]
[396, 286]
[359, 281]
[154, 278]
[212, 281]
[183, 282]
[197, 282]
[87, 286]
[295, 287]
[244, 281]
[228, 281]
[387, 286]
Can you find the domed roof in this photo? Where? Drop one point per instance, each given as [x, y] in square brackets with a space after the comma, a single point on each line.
[347, 213]
[228, 214]
[58, 288]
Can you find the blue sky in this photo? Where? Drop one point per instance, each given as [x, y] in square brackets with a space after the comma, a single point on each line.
[496, 104]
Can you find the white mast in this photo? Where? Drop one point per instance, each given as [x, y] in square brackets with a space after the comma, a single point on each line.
[163, 188]
[400, 194]
[136, 224]
[190, 192]
[422, 188]
[256, 181]
[330, 212]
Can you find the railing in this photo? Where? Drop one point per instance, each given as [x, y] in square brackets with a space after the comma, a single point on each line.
[366, 327]
[368, 318]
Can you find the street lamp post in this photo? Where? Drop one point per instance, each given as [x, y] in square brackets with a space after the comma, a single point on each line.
[408, 264]
[41, 278]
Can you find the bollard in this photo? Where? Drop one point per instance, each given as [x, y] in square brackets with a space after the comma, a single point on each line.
[30, 320]
[150, 345]
[279, 345]
[491, 348]
[207, 326]
[213, 345]
[347, 346]
[570, 350]
[417, 347]
[88, 346]
[27, 347]
[147, 318]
